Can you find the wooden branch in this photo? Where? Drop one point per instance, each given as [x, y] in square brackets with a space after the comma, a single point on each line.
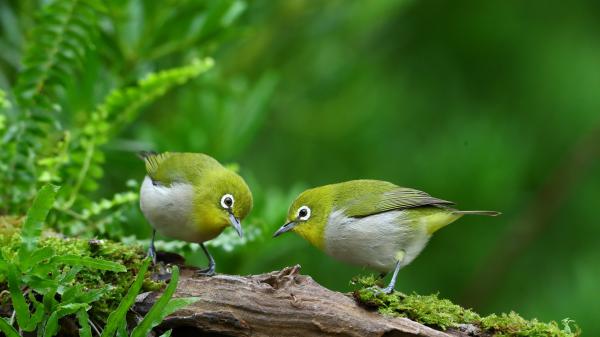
[280, 303]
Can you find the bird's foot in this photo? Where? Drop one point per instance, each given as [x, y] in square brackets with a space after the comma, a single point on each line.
[210, 271]
[152, 255]
[383, 291]
[387, 290]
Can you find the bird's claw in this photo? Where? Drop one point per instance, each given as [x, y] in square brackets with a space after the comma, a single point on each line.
[387, 290]
[210, 271]
[380, 291]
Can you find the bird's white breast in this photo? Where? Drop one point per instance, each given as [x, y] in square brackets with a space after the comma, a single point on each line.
[169, 209]
[374, 241]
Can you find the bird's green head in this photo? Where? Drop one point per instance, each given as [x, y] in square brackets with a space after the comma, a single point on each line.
[222, 198]
[308, 215]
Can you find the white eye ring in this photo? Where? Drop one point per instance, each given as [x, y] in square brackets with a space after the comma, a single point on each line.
[225, 200]
[306, 212]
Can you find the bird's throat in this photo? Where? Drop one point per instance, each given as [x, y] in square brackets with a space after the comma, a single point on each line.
[312, 234]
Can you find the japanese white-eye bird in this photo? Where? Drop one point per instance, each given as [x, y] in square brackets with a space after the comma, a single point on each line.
[370, 223]
[192, 197]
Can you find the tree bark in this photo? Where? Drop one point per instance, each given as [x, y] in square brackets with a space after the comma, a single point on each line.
[280, 303]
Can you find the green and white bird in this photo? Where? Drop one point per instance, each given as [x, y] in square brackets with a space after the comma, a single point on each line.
[370, 223]
[192, 197]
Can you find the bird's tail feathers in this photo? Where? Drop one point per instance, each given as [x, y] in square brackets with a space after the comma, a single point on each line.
[487, 213]
[145, 154]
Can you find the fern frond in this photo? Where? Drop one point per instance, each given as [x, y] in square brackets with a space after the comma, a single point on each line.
[66, 29]
[17, 138]
[122, 106]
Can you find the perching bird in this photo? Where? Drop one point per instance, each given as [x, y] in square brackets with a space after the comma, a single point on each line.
[192, 197]
[370, 223]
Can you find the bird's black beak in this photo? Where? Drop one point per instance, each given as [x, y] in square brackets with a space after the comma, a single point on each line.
[235, 223]
[288, 226]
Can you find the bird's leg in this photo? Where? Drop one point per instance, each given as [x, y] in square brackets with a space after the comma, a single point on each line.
[390, 288]
[210, 271]
[399, 257]
[152, 249]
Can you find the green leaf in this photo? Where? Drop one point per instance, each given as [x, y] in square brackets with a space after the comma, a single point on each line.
[162, 308]
[37, 256]
[69, 276]
[122, 330]
[83, 318]
[89, 262]
[32, 227]
[166, 334]
[41, 284]
[51, 327]
[24, 318]
[7, 329]
[117, 317]
[77, 294]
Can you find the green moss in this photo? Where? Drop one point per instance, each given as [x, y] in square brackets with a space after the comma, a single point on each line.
[442, 313]
[116, 284]
[512, 324]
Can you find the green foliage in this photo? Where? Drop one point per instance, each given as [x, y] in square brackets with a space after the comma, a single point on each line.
[65, 31]
[57, 45]
[7, 329]
[32, 227]
[512, 324]
[442, 313]
[70, 276]
[4, 104]
[117, 318]
[163, 307]
[46, 273]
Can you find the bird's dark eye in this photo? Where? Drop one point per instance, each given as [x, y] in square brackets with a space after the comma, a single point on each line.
[227, 201]
[303, 213]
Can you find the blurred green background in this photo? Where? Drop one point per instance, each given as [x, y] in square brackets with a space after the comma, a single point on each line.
[491, 104]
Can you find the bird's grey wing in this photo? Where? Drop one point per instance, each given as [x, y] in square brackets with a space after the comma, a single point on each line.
[389, 199]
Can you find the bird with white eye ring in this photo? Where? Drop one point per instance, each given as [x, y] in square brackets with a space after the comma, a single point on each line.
[370, 223]
[192, 197]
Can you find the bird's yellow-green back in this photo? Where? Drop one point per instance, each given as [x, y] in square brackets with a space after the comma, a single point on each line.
[169, 167]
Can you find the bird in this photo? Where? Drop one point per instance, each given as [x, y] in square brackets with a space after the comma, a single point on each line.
[370, 223]
[192, 197]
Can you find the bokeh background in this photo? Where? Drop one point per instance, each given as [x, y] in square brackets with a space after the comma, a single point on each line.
[491, 104]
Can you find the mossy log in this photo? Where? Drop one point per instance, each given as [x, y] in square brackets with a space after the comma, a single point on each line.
[280, 303]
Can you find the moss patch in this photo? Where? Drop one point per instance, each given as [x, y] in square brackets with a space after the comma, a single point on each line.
[116, 284]
[442, 313]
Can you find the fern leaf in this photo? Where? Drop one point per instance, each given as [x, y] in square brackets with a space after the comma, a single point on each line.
[122, 106]
[57, 45]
